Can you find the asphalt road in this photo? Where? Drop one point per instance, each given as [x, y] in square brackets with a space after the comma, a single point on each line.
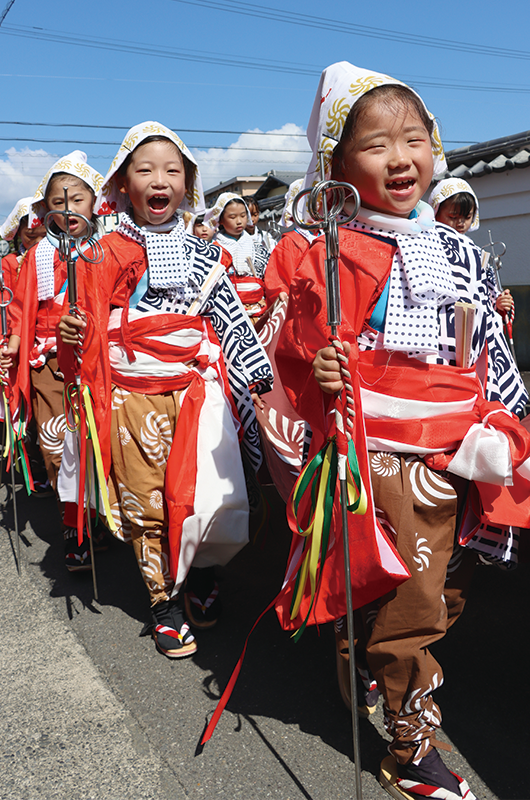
[91, 710]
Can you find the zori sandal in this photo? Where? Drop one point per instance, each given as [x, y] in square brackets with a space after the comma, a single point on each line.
[410, 789]
[201, 598]
[170, 630]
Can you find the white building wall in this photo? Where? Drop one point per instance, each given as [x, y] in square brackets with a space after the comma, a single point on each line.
[504, 199]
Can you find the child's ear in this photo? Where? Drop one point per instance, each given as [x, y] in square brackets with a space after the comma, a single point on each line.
[121, 183]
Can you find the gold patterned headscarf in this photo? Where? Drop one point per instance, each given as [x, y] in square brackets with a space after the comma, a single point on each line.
[341, 85]
[213, 214]
[110, 200]
[10, 226]
[75, 164]
[448, 188]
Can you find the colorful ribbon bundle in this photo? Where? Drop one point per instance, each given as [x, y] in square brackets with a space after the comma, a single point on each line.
[14, 448]
[313, 499]
[79, 408]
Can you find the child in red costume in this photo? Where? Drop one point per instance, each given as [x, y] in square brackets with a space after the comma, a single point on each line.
[169, 353]
[16, 228]
[25, 237]
[229, 218]
[35, 313]
[288, 253]
[400, 276]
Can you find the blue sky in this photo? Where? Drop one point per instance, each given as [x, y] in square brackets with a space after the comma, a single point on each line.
[196, 65]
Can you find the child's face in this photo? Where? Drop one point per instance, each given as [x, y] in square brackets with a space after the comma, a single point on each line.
[234, 219]
[203, 231]
[81, 200]
[254, 215]
[389, 160]
[31, 236]
[449, 215]
[155, 182]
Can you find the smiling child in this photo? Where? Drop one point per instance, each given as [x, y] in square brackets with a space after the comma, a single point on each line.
[171, 382]
[400, 277]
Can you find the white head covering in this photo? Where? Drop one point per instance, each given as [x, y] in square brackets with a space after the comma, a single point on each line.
[448, 188]
[212, 215]
[341, 85]
[75, 164]
[110, 200]
[10, 226]
[420, 278]
[287, 214]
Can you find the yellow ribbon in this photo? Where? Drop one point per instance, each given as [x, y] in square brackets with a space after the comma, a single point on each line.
[321, 516]
[100, 471]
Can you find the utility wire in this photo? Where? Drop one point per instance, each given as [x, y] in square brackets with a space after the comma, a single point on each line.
[126, 128]
[195, 146]
[159, 51]
[3, 15]
[283, 67]
[341, 26]
[227, 148]
[412, 80]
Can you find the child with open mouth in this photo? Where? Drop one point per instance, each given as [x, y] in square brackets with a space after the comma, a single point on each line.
[171, 383]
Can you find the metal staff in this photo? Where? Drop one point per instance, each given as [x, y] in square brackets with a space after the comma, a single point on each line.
[66, 242]
[7, 410]
[4, 251]
[325, 203]
[496, 264]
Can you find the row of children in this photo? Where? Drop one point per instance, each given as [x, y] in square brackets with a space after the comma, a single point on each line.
[169, 353]
[175, 368]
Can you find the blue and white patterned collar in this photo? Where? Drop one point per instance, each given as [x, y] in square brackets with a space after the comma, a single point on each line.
[167, 256]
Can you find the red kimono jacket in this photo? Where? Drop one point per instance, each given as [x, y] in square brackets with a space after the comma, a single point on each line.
[364, 269]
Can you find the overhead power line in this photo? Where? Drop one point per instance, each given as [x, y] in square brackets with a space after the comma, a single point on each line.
[221, 59]
[227, 148]
[159, 51]
[117, 144]
[413, 80]
[125, 128]
[3, 15]
[341, 26]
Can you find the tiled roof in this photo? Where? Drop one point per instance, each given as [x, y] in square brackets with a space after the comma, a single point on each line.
[497, 155]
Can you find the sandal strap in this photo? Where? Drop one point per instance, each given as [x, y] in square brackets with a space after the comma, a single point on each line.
[183, 635]
[204, 606]
[434, 792]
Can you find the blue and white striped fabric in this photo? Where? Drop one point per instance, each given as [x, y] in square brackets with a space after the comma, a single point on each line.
[503, 380]
[246, 361]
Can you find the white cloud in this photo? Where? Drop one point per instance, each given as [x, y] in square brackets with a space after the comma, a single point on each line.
[267, 151]
[20, 174]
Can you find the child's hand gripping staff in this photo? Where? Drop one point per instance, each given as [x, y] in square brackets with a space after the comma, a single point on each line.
[325, 203]
[9, 449]
[77, 397]
[505, 303]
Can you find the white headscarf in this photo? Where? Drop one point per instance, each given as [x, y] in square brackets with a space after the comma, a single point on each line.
[110, 200]
[190, 227]
[341, 85]
[420, 278]
[287, 214]
[75, 164]
[213, 214]
[448, 188]
[10, 226]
